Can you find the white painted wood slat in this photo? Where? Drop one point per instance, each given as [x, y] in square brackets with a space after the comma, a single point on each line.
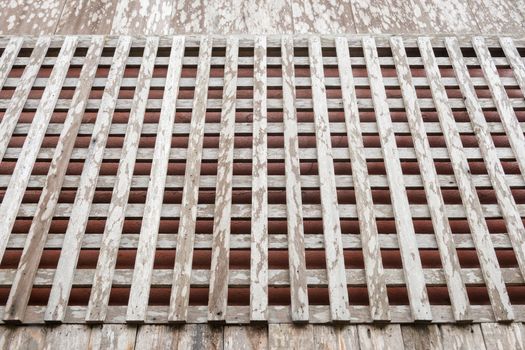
[515, 60]
[473, 210]
[27, 268]
[412, 267]
[338, 293]
[220, 253]
[377, 292]
[294, 202]
[17, 186]
[436, 205]
[186, 235]
[8, 57]
[259, 223]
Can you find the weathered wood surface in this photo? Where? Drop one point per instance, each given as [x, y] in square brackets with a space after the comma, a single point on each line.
[287, 195]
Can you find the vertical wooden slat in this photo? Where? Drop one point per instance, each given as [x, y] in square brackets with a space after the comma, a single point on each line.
[18, 100]
[140, 287]
[515, 60]
[457, 337]
[412, 268]
[294, 202]
[375, 278]
[509, 209]
[8, 58]
[508, 117]
[67, 337]
[473, 210]
[416, 337]
[436, 205]
[220, 250]
[63, 279]
[283, 336]
[335, 266]
[259, 224]
[36, 238]
[17, 186]
[156, 337]
[183, 259]
[199, 336]
[503, 336]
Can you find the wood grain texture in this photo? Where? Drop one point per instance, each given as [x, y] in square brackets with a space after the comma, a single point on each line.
[389, 16]
[338, 293]
[156, 337]
[478, 226]
[220, 254]
[498, 16]
[67, 337]
[19, 98]
[232, 17]
[285, 336]
[113, 336]
[509, 209]
[142, 17]
[29, 153]
[186, 234]
[449, 16]
[436, 204]
[322, 16]
[503, 336]
[380, 337]
[462, 337]
[259, 222]
[30, 17]
[294, 202]
[87, 17]
[192, 336]
[82, 204]
[367, 223]
[21, 288]
[245, 337]
[412, 267]
[419, 337]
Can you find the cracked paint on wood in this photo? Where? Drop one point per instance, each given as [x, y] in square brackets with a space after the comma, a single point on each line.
[87, 17]
[323, 16]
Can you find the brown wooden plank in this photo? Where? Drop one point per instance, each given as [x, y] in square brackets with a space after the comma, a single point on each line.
[156, 337]
[259, 223]
[186, 234]
[419, 337]
[22, 284]
[193, 336]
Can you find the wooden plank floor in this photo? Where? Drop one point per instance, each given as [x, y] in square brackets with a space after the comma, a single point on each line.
[221, 17]
[275, 336]
[279, 179]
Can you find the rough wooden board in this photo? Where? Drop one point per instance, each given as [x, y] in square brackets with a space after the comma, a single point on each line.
[498, 16]
[113, 336]
[380, 337]
[259, 223]
[389, 16]
[220, 260]
[421, 337]
[515, 61]
[285, 336]
[157, 337]
[245, 337]
[22, 338]
[142, 17]
[294, 202]
[449, 16]
[192, 336]
[503, 336]
[436, 204]
[186, 234]
[415, 281]
[21, 288]
[67, 337]
[478, 225]
[462, 337]
[87, 17]
[322, 16]
[30, 17]
[232, 17]
[367, 223]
